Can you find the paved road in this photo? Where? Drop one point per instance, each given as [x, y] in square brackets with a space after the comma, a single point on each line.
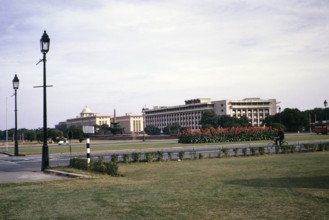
[23, 169]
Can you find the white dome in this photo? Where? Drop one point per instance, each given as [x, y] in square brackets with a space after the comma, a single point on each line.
[86, 110]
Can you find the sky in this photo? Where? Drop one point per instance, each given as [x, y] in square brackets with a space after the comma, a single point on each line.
[130, 54]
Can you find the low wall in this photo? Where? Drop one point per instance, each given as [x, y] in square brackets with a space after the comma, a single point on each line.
[132, 137]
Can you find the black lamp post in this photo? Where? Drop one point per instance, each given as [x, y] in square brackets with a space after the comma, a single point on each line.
[280, 115]
[15, 86]
[143, 111]
[44, 47]
[325, 103]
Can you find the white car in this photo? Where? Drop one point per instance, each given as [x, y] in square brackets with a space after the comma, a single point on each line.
[63, 142]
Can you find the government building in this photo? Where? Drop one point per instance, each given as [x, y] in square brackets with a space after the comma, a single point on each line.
[130, 123]
[189, 115]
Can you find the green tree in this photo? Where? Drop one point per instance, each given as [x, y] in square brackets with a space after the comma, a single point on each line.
[30, 135]
[172, 129]
[55, 134]
[152, 130]
[209, 119]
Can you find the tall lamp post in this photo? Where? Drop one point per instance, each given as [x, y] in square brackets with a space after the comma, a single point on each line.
[143, 111]
[325, 103]
[280, 115]
[44, 47]
[15, 86]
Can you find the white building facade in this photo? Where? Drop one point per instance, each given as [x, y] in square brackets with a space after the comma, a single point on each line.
[189, 115]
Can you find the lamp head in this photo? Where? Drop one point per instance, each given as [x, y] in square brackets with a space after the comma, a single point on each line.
[15, 82]
[44, 43]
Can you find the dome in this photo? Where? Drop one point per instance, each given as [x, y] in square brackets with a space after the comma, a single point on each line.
[86, 110]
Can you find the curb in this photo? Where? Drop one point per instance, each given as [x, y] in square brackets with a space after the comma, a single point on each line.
[67, 174]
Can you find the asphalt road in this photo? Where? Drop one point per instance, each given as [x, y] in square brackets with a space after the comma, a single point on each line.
[26, 169]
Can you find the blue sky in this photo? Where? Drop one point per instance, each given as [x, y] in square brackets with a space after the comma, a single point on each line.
[126, 54]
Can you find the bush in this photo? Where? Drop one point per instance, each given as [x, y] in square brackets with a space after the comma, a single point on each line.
[136, 156]
[181, 155]
[236, 150]
[201, 156]
[114, 158]
[169, 156]
[244, 151]
[159, 156]
[126, 158]
[310, 147]
[226, 151]
[253, 151]
[112, 168]
[149, 156]
[100, 166]
[261, 150]
[78, 163]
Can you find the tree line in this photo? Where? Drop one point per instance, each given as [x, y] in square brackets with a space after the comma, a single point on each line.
[291, 119]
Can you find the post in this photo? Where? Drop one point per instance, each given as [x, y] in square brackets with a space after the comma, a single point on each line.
[16, 141]
[45, 153]
[88, 150]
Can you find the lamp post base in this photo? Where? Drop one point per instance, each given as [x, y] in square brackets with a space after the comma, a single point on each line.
[45, 157]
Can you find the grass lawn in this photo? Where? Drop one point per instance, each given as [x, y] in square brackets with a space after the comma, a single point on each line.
[121, 145]
[285, 186]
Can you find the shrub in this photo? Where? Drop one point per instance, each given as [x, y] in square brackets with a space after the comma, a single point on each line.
[136, 156]
[159, 156]
[112, 168]
[244, 151]
[226, 151]
[193, 155]
[219, 153]
[236, 150]
[169, 156]
[126, 158]
[149, 156]
[181, 155]
[200, 156]
[310, 147]
[261, 150]
[78, 163]
[253, 151]
[114, 158]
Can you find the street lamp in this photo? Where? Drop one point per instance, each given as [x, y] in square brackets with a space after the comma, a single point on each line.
[15, 86]
[280, 115]
[44, 47]
[143, 111]
[325, 103]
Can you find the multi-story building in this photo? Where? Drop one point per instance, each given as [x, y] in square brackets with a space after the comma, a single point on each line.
[130, 123]
[88, 118]
[189, 115]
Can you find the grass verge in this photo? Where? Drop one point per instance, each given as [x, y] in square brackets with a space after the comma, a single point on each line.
[293, 186]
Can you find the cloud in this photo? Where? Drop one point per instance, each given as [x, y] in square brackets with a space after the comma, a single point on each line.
[125, 54]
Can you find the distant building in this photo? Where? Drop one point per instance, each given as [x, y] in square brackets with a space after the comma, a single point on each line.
[88, 118]
[130, 123]
[189, 115]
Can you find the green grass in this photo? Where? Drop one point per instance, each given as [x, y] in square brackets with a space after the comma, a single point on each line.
[292, 186]
[113, 145]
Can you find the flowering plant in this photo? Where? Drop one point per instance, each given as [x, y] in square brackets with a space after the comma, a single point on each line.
[212, 135]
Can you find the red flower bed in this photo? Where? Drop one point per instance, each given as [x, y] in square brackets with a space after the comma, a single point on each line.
[212, 135]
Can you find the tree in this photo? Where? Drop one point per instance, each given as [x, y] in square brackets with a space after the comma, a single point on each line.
[152, 130]
[209, 119]
[30, 135]
[55, 134]
[172, 129]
